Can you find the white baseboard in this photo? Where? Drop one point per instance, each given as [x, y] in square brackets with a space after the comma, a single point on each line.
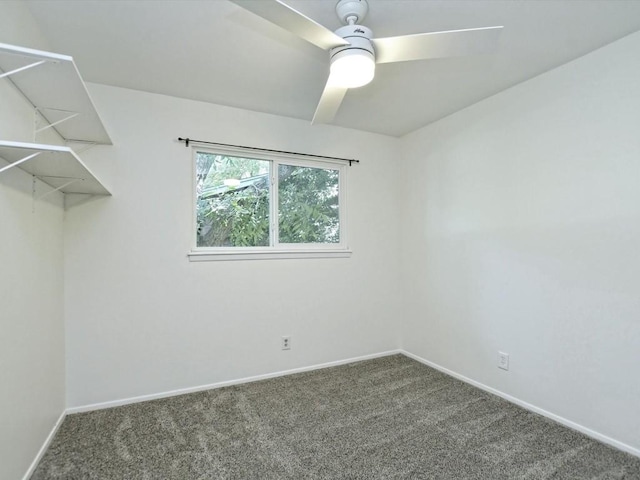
[211, 386]
[143, 398]
[44, 447]
[563, 421]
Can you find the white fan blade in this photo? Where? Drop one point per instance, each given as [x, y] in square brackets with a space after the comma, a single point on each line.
[452, 43]
[293, 21]
[329, 103]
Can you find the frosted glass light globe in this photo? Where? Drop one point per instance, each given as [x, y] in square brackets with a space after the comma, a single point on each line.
[352, 68]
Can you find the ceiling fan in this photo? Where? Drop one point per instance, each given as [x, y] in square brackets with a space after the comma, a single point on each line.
[354, 52]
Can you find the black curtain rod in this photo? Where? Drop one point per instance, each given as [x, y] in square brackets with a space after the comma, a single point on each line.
[189, 140]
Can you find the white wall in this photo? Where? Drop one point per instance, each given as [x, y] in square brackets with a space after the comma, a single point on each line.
[521, 234]
[142, 319]
[520, 221]
[32, 378]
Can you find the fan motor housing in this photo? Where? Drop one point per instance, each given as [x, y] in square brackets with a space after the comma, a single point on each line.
[359, 38]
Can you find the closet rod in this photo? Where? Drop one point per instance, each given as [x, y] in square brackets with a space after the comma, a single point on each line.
[187, 141]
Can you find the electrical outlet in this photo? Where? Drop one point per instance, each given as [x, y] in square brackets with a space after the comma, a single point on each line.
[503, 360]
[286, 342]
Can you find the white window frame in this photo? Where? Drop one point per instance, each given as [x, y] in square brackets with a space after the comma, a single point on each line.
[275, 249]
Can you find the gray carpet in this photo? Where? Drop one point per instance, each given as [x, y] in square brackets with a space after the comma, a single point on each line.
[388, 418]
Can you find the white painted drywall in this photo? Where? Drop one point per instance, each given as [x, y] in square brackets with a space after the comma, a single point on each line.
[18, 27]
[520, 224]
[32, 376]
[142, 319]
[521, 228]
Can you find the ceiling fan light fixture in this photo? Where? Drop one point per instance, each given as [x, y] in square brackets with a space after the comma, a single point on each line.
[354, 52]
[352, 68]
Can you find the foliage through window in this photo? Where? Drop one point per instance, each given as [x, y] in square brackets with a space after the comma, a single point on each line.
[265, 203]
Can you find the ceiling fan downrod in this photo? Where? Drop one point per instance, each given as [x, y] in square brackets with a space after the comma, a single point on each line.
[351, 12]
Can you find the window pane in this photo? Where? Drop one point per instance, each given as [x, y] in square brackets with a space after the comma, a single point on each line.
[232, 201]
[308, 205]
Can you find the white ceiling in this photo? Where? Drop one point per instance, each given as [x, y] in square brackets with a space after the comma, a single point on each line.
[214, 51]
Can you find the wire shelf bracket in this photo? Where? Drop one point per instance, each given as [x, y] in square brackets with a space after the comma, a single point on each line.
[39, 114]
[71, 180]
[21, 69]
[18, 162]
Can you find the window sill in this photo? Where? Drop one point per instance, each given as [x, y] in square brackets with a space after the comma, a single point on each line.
[211, 256]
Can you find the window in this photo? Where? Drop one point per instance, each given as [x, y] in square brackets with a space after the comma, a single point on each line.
[254, 205]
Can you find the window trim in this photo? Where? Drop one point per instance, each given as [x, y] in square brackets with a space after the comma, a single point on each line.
[276, 250]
